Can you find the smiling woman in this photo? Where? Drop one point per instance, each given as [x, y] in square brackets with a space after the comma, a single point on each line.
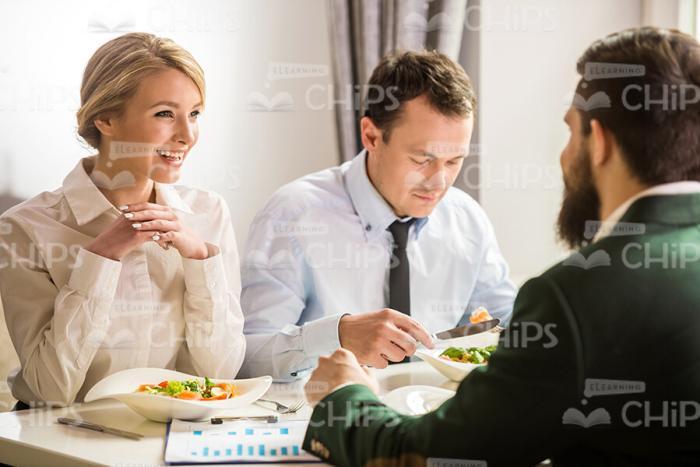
[141, 97]
[118, 268]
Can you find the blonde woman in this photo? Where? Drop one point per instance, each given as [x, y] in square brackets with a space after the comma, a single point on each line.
[118, 268]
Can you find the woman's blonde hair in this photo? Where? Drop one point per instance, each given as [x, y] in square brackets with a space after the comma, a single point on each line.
[115, 70]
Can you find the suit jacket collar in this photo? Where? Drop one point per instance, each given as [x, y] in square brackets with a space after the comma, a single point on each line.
[673, 210]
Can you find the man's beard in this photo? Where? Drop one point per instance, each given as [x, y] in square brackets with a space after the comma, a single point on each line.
[580, 204]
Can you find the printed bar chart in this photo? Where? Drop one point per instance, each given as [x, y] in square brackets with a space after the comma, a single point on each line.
[240, 441]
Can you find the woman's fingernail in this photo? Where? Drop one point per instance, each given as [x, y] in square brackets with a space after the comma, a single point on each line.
[124, 208]
[129, 215]
[136, 225]
[155, 237]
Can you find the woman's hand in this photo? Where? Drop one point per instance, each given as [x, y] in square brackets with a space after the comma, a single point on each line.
[119, 239]
[166, 229]
[143, 222]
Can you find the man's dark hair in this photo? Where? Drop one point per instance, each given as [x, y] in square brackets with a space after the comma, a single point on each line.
[654, 108]
[405, 75]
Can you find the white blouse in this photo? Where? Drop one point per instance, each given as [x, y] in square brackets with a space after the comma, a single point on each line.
[76, 317]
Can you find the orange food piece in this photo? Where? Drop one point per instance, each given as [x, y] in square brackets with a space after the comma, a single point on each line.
[189, 395]
[228, 392]
[163, 384]
[226, 387]
[144, 387]
[221, 396]
[479, 315]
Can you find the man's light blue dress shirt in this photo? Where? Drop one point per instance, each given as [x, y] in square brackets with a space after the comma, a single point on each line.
[320, 249]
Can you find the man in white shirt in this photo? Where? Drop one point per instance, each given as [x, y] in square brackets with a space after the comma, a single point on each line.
[378, 253]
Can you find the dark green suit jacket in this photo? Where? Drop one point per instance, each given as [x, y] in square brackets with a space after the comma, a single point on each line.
[599, 366]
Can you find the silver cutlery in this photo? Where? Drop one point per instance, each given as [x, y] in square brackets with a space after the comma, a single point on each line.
[283, 409]
[469, 329]
[100, 428]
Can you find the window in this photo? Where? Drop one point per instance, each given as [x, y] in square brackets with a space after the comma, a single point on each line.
[688, 20]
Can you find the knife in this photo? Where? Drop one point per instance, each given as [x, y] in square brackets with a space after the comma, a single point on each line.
[469, 329]
[100, 428]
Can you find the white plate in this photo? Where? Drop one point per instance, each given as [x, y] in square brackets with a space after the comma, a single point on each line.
[454, 370]
[416, 400]
[123, 384]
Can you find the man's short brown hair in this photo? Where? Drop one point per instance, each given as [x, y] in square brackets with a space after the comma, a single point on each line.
[642, 85]
[405, 75]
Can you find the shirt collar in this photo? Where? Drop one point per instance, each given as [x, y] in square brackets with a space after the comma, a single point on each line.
[84, 198]
[167, 195]
[87, 202]
[375, 213]
[667, 189]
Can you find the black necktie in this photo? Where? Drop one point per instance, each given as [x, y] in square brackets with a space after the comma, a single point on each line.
[399, 276]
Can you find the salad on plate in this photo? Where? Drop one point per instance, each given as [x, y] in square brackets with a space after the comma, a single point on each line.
[191, 389]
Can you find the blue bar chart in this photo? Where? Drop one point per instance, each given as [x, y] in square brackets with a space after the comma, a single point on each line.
[242, 441]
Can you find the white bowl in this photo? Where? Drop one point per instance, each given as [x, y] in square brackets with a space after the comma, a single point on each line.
[457, 371]
[416, 400]
[123, 384]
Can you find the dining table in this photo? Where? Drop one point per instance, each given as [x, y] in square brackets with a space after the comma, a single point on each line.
[34, 437]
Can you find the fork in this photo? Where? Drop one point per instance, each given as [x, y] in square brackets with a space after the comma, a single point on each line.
[282, 409]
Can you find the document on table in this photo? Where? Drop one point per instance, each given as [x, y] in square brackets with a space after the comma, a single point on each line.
[240, 441]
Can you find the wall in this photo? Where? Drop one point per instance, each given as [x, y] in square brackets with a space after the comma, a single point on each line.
[527, 76]
[244, 153]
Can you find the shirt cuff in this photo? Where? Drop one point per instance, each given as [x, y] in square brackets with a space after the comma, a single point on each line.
[321, 337]
[94, 275]
[205, 277]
